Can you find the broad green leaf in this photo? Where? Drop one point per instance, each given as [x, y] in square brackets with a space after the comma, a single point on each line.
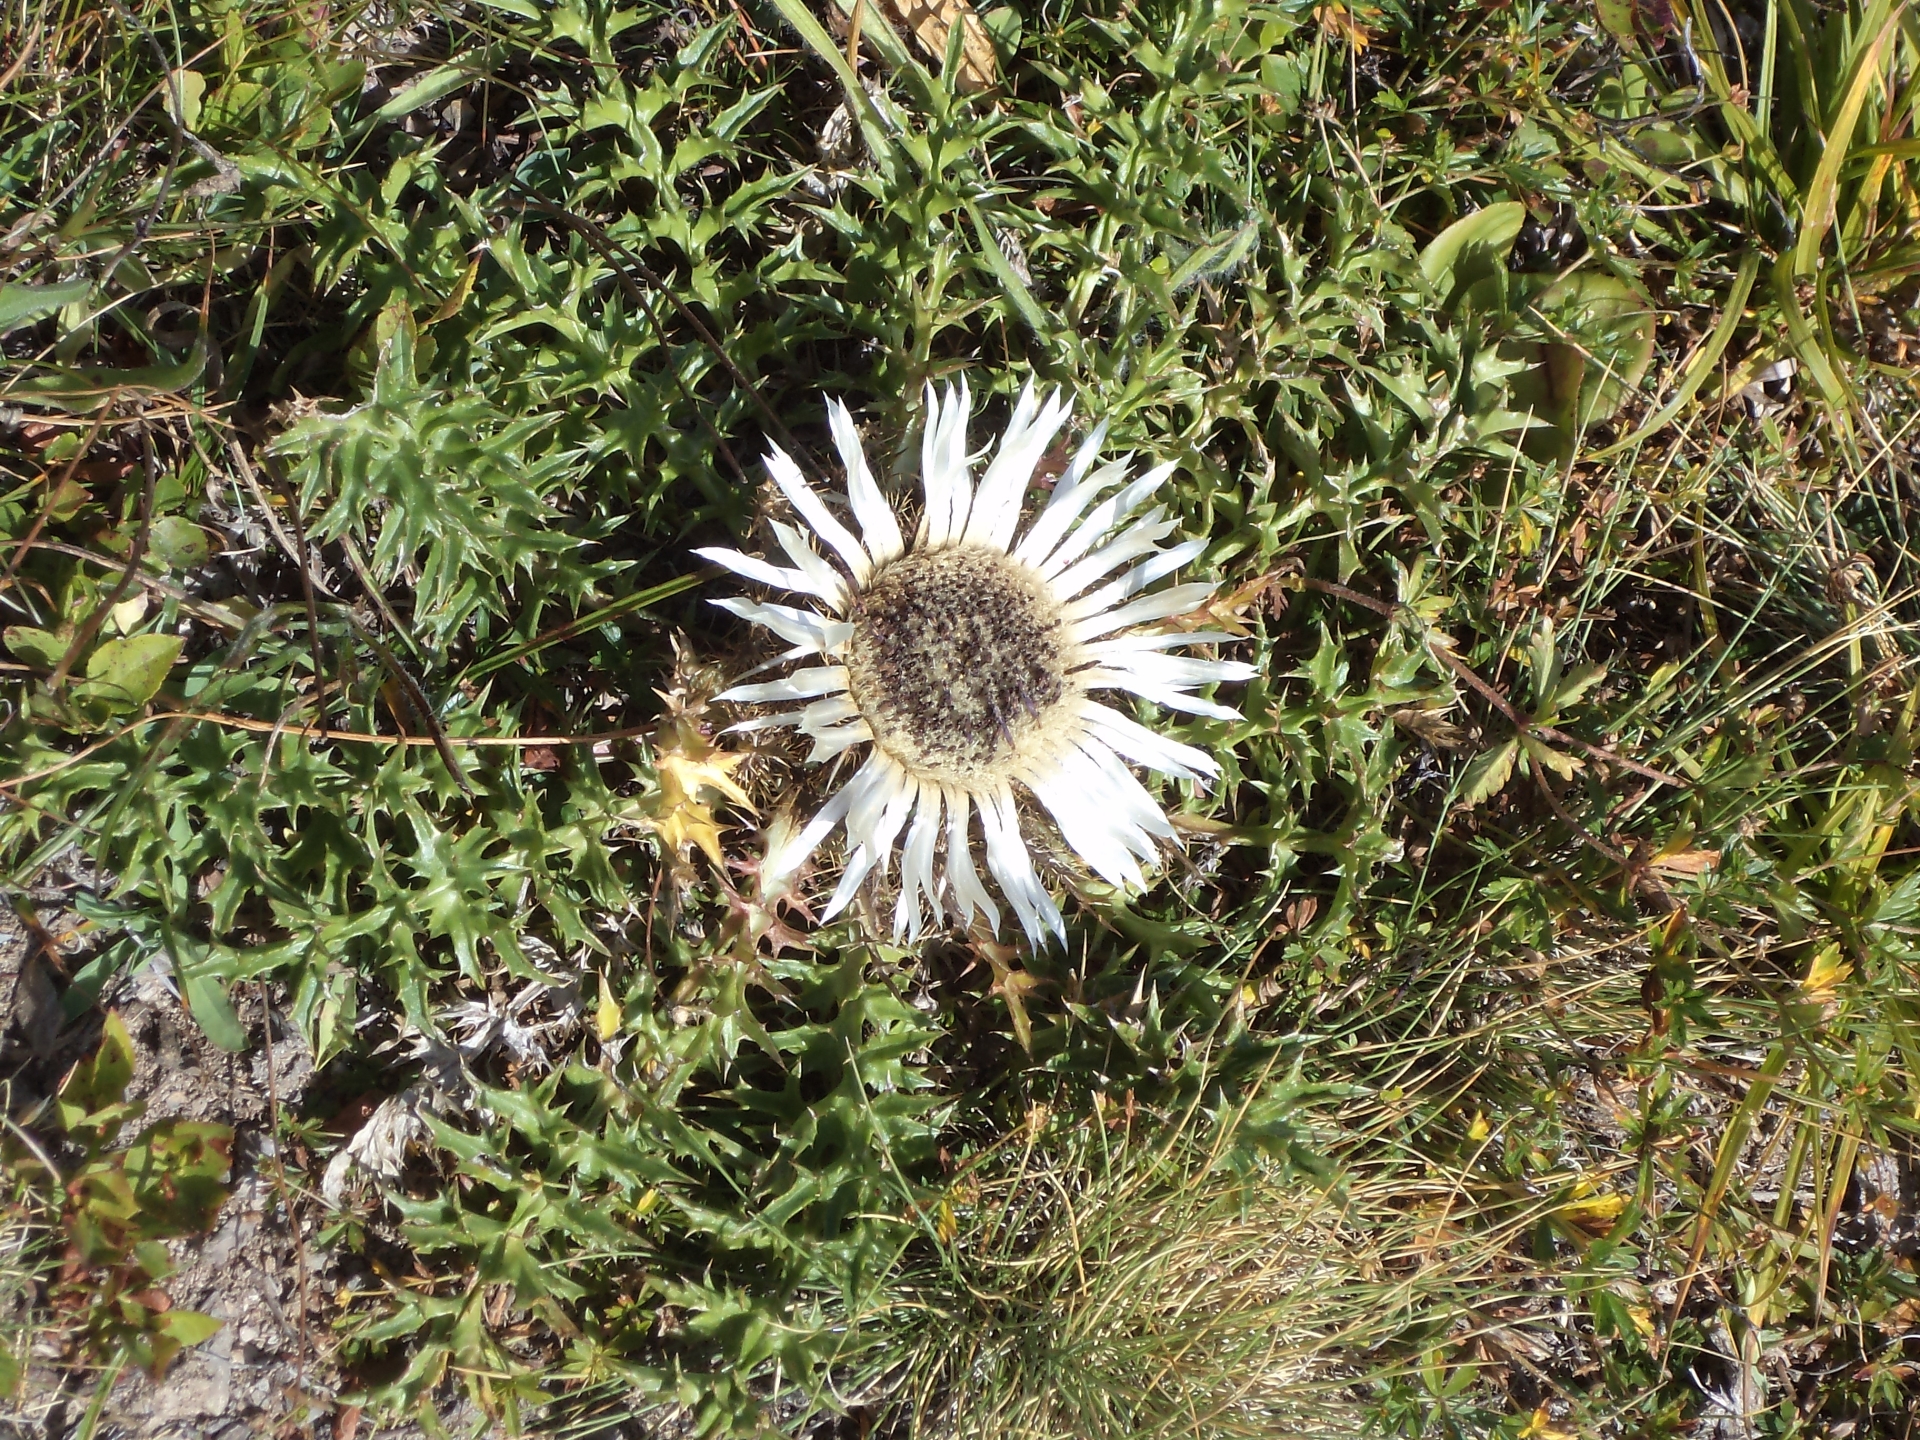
[1216, 257]
[1543, 660]
[192, 965]
[36, 647]
[1585, 377]
[606, 1013]
[1616, 18]
[1019, 296]
[153, 1258]
[188, 88]
[178, 543]
[1706, 360]
[440, 81]
[87, 388]
[187, 1328]
[207, 999]
[1809, 346]
[101, 1080]
[1472, 247]
[126, 673]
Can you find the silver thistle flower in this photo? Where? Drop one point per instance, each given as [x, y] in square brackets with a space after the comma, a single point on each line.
[968, 661]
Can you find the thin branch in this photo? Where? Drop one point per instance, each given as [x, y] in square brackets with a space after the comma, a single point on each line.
[333, 734]
[1525, 724]
[416, 694]
[1633, 867]
[300, 553]
[422, 707]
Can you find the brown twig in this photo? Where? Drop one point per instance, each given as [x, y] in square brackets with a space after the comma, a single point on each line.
[280, 1185]
[757, 60]
[212, 613]
[302, 557]
[422, 706]
[417, 698]
[1530, 726]
[357, 563]
[1580, 831]
[1632, 867]
[12, 71]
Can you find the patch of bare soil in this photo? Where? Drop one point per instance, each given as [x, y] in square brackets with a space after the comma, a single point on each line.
[258, 1270]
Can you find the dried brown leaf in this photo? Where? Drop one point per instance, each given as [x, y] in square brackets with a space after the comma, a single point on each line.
[932, 21]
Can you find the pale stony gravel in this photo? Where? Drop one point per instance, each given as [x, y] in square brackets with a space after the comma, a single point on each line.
[260, 1370]
[264, 1373]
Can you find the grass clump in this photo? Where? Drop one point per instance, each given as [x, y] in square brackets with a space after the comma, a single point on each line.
[1522, 1046]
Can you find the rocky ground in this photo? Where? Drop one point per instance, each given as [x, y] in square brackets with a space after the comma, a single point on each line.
[263, 1269]
[257, 1271]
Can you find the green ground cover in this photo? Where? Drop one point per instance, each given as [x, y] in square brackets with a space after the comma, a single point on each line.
[1524, 1043]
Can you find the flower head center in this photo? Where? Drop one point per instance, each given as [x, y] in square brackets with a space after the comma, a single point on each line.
[957, 661]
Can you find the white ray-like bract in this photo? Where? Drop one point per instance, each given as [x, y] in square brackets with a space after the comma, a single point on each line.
[966, 658]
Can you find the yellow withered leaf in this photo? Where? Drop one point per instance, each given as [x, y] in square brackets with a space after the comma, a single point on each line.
[1231, 612]
[693, 776]
[1686, 862]
[1825, 974]
[1540, 1426]
[1678, 857]
[1598, 1212]
[690, 775]
[1340, 23]
[606, 1014]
